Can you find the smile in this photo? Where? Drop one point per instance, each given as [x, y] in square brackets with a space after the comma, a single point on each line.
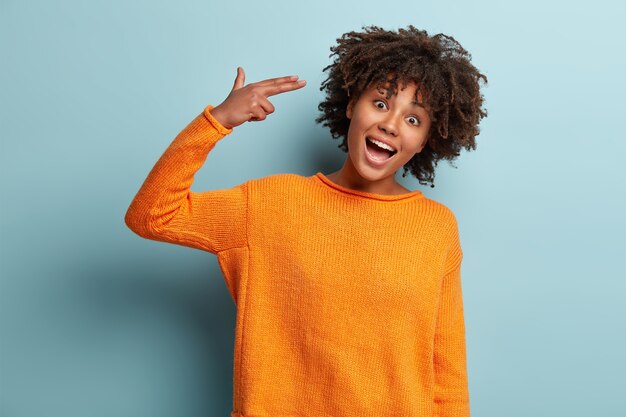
[378, 153]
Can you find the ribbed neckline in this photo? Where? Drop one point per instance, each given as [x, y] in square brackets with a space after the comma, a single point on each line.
[364, 194]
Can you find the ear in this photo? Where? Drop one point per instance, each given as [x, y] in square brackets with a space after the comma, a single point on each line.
[349, 109]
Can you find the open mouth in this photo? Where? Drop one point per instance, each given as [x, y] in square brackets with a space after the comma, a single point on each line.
[377, 151]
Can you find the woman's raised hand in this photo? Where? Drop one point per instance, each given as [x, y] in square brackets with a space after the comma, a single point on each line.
[250, 103]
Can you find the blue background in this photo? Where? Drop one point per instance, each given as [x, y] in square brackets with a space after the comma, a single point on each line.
[96, 321]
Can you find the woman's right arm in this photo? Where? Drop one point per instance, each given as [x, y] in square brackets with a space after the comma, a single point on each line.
[166, 209]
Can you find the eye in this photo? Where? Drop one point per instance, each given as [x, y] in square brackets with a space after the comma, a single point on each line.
[413, 120]
[380, 104]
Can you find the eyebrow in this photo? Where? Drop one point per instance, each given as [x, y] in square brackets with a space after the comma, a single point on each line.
[384, 92]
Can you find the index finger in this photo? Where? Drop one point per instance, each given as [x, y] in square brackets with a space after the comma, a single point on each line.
[284, 87]
[278, 80]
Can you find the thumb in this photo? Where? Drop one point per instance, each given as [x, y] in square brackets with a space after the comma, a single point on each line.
[241, 77]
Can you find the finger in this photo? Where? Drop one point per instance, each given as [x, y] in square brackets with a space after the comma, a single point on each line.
[274, 81]
[266, 105]
[240, 79]
[257, 114]
[283, 87]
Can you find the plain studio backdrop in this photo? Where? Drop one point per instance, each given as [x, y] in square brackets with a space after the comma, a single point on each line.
[96, 321]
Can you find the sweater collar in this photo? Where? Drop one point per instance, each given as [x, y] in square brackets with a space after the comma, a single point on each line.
[364, 194]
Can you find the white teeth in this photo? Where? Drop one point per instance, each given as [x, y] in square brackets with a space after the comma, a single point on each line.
[381, 144]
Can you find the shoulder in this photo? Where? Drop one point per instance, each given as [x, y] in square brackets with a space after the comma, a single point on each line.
[439, 212]
[446, 222]
[280, 185]
[278, 181]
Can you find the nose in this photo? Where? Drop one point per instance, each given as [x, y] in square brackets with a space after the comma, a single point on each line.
[389, 124]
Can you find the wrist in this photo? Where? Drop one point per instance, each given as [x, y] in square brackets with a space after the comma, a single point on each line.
[209, 115]
[218, 115]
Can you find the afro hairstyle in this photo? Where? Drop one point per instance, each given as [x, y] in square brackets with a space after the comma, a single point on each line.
[438, 65]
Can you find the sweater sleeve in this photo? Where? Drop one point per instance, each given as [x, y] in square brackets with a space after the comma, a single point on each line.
[451, 382]
[165, 209]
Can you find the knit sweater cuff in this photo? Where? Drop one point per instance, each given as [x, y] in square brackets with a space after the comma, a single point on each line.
[207, 113]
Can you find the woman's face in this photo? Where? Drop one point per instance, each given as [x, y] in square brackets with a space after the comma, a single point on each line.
[376, 122]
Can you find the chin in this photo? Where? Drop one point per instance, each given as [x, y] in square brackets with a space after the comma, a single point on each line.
[374, 175]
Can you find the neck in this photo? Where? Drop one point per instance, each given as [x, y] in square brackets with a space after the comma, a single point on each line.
[349, 177]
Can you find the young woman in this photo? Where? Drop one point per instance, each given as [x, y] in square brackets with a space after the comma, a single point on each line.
[347, 285]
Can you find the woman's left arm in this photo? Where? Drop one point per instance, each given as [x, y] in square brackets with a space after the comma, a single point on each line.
[451, 382]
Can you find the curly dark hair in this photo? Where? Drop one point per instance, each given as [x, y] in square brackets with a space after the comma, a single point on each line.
[438, 64]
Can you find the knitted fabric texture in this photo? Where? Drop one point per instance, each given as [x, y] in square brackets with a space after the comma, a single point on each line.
[349, 303]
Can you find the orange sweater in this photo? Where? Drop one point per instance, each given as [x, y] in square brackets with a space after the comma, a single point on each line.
[349, 303]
